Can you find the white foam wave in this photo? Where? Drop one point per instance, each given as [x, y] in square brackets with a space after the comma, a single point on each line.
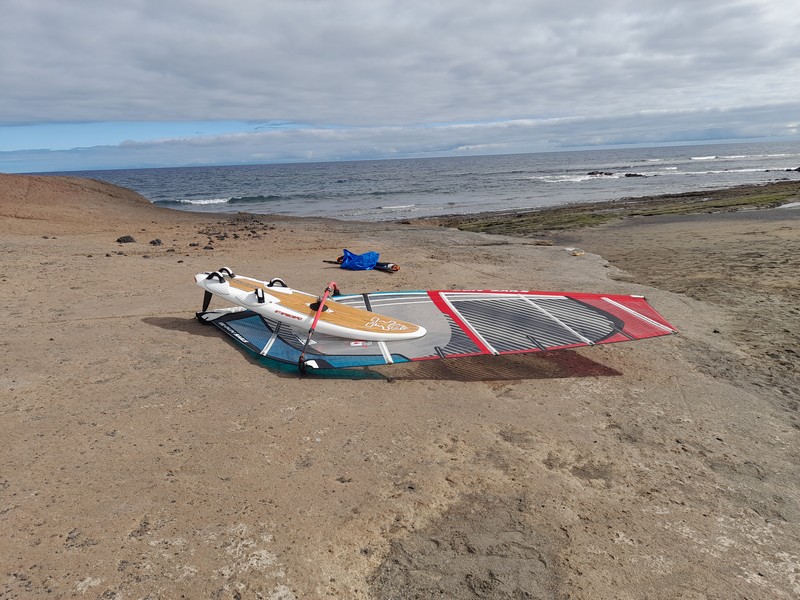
[574, 178]
[205, 201]
[397, 207]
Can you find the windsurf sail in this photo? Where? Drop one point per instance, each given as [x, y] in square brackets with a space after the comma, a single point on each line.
[459, 323]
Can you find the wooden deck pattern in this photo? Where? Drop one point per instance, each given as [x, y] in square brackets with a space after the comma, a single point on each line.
[337, 314]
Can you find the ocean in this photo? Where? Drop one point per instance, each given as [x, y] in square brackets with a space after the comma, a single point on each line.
[379, 190]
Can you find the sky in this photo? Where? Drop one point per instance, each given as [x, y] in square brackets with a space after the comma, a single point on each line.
[93, 84]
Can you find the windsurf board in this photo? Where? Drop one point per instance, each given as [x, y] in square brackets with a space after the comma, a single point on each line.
[297, 309]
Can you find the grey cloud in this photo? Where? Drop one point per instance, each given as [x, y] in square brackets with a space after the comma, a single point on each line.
[371, 63]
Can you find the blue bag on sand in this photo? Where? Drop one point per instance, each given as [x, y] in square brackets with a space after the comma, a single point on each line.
[359, 262]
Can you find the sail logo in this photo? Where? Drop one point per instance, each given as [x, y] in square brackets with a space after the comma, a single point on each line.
[383, 324]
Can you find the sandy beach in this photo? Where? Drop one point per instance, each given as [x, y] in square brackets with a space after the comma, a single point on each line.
[143, 455]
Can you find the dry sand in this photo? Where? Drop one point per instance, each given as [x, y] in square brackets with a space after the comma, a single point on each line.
[144, 456]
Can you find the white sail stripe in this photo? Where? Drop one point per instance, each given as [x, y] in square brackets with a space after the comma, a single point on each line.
[557, 320]
[638, 315]
[265, 350]
[566, 311]
[461, 297]
[387, 356]
[379, 303]
[377, 296]
[384, 294]
[474, 331]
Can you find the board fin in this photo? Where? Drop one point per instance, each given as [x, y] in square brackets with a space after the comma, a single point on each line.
[207, 300]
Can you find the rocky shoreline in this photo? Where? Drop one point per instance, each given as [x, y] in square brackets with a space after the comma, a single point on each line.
[570, 216]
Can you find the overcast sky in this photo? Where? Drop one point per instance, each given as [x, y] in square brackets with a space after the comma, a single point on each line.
[87, 84]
